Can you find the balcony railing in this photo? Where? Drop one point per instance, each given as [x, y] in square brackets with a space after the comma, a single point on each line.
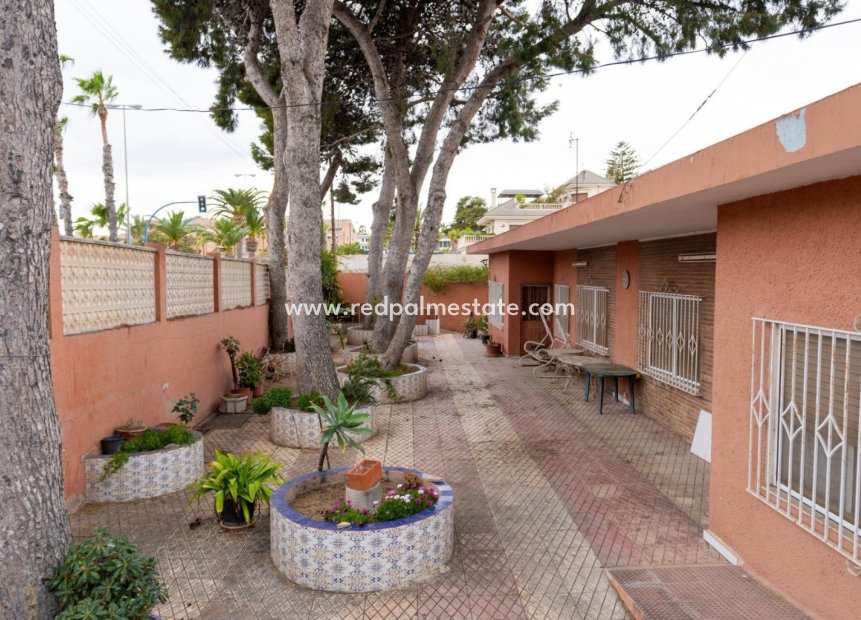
[468, 240]
[543, 206]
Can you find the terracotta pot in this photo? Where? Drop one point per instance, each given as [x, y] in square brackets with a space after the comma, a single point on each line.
[365, 475]
[130, 432]
[245, 391]
[163, 425]
[257, 391]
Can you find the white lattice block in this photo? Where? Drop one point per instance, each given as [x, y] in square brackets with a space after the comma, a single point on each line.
[105, 285]
[235, 283]
[146, 474]
[190, 285]
[376, 556]
[262, 283]
[295, 428]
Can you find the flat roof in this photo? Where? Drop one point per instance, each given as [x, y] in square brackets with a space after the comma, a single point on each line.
[818, 142]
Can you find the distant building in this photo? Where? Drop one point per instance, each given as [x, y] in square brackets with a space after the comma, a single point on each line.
[584, 185]
[345, 232]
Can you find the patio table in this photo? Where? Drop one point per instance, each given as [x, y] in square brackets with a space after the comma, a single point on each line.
[602, 370]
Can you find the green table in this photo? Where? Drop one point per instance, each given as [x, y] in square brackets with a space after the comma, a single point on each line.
[602, 370]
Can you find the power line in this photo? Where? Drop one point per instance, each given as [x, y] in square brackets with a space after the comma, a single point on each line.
[104, 27]
[527, 78]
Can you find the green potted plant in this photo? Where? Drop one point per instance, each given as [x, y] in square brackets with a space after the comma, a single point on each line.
[250, 374]
[238, 484]
[236, 401]
[340, 421]
[105, 577]
[481, 326]
[470, 327]
[186, 408]
[274, 397]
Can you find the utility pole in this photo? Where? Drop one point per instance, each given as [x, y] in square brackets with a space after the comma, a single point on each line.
[124, 107]
[332, 208]
[575, 142]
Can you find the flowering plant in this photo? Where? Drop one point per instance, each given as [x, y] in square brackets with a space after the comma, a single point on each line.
[344, 511]
[397, 504]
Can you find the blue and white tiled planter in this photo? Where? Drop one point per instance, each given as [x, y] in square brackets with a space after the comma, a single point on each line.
[295, 428]
[408, 387]
[377, 556]
[146, 474]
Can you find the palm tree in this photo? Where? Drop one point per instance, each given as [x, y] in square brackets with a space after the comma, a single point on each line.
[85, 226]
[236, 204]
[59, 166]
[225, 234]
[256, 226]
[175, 228]
[98, 91]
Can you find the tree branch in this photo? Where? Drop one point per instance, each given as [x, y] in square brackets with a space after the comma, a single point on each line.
[329, 177]
[252, 68]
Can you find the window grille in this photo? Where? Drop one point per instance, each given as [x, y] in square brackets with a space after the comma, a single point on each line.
[804, 429]
[534, 297]
[494, 299]
[668, 336]
[592, 318]
[562, 310]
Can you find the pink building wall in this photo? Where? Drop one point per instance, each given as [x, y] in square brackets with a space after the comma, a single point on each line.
[792, 256]
[102, 379]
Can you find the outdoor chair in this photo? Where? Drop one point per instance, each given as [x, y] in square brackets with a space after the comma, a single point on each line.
[543, 352]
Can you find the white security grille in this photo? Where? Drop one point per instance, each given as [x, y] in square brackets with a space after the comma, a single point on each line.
[494, 299]
[804, 429]
[562, 307]
[668, 337]
[592, 318]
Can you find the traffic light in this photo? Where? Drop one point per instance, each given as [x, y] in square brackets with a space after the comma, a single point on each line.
[201, 204]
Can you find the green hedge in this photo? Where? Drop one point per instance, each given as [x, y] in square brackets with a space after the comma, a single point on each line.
[437, 278]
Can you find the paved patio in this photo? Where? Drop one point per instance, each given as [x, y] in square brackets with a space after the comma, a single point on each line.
[548, 496]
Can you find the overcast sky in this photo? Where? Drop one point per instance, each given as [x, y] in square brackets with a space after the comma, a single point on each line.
[174, 156]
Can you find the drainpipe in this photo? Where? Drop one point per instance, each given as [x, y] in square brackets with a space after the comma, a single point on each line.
[492, 197]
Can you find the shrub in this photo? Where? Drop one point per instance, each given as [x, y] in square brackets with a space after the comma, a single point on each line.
[186, 408]
[344, 511]
[250, 370]
[340, 422]
[274, 397]
[104, 577]
[151, 439]
[243, 480]
[437, 278]
[332, 293]
[307, 401]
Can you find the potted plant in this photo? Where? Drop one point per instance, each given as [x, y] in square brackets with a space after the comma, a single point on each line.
[250, 374]
[481, 326]
[274, 397]
[105, 577]
[238, 484]
[186, 408]
[131, 429]
[340, 421]
[470, 327]
[231, 347]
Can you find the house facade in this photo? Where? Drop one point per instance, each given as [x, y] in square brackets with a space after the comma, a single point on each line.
[731, 281]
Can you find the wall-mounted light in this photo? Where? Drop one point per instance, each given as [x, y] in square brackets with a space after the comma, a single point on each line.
[580, 263]
[698, 257]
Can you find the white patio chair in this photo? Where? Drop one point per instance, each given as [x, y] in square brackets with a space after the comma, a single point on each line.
[543, 351]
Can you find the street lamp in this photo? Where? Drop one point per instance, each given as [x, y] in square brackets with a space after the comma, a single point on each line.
[246, 175]
[124, 107]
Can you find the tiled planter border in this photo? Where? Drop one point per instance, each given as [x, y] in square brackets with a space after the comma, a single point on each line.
[420, 330]
[409, 387]
[410, 356]
[357, 335]
[377, 556]
[433, 327]
[145, 475]
[295, 428]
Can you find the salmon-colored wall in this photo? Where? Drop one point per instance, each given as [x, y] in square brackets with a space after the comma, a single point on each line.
[355, 287]
[102, 379]
[793, 256]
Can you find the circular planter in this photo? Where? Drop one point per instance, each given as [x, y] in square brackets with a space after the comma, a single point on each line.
[357, 335]
[410, 356]
[146, 474]
[295, 428]
[276, 365]
[408, 387]
[377, 556]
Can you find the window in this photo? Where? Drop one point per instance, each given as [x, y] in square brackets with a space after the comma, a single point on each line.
[668, 338]
[592, 318]
[533, 297]
[494, 299]
[562, 310]
[804, 425]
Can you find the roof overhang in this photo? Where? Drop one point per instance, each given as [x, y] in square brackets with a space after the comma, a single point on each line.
[818, 143]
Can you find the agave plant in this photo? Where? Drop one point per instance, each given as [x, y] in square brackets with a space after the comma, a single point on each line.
[239, 482]
[340, 421]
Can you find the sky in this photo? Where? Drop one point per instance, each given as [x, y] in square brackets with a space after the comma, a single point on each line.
[176, 156]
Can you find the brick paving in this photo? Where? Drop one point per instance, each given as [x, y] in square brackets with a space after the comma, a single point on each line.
[548, 496]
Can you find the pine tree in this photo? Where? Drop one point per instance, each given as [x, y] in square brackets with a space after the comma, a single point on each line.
[623, 163]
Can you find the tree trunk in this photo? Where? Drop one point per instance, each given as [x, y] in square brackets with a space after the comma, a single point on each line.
[334, 223]
[302, 47]
[110, 186]
[62, 181]
[34, 524]
[382, 209]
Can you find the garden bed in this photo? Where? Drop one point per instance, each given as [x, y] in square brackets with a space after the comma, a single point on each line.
[295, 428]
[146, 474]
[357, 335]
[361, 558]
[407, 387]
[410, 356]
